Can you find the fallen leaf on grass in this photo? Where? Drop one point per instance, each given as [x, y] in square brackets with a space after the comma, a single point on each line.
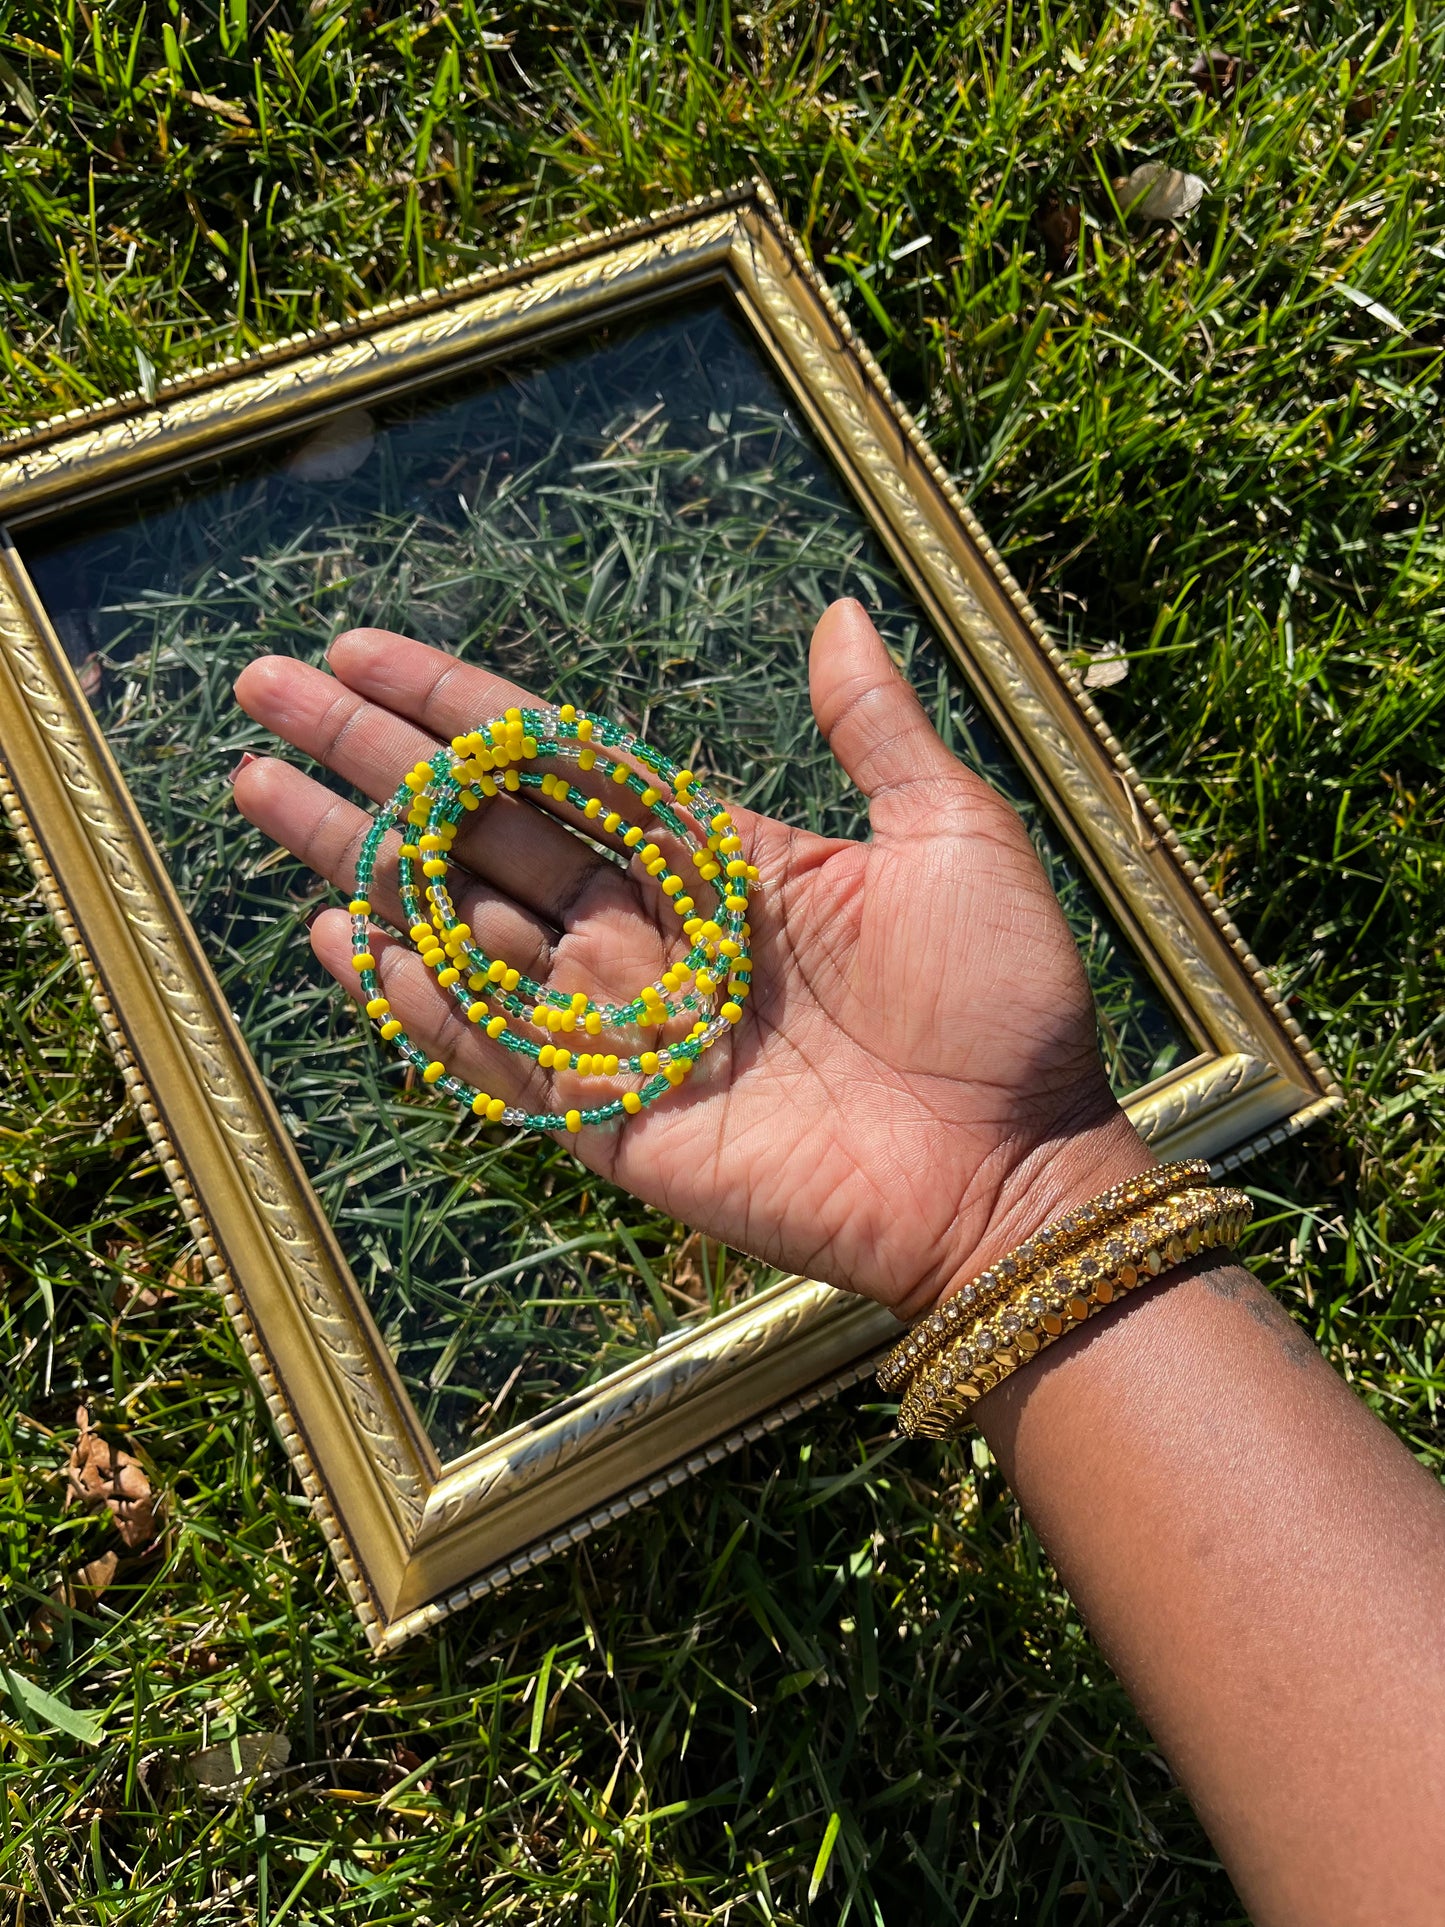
[102, 1474]
[1154, 192]
[238, 1766]
[1058, 223]
[1110, 666]
[1218, 74]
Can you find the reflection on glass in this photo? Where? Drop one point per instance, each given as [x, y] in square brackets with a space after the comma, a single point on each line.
[637, 522]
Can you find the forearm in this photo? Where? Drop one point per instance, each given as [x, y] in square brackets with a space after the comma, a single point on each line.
[1263, 1563]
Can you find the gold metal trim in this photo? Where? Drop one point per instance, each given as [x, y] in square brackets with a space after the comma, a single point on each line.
[414, 1539]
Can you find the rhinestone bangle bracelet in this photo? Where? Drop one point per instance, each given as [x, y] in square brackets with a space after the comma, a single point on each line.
[931, 1334]
[940, 1399]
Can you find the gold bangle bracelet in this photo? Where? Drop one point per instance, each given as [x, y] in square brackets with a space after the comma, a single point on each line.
[929, 1336]
[940, 1400]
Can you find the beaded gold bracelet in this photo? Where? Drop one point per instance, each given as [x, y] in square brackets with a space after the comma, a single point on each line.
[496, 757]
[931, 1334]
[940, 1397]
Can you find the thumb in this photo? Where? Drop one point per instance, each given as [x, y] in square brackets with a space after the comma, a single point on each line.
[875, 725]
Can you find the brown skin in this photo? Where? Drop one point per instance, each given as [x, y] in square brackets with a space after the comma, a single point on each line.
[917, 1088]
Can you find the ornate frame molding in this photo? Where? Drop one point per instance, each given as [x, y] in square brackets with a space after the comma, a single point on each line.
[414, 1539]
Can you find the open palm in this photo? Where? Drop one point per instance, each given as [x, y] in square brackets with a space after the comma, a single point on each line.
[915, 1085]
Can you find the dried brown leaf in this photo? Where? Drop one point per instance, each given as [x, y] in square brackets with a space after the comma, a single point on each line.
[102, 1474]
[1218, 74]
[1059, 224]
[1154, 192]
[240, 1766]
[1110, 666]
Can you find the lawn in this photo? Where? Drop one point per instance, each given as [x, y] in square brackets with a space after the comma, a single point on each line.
[835, 1679]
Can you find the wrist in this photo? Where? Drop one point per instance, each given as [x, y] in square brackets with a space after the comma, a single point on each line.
[1074, 1162]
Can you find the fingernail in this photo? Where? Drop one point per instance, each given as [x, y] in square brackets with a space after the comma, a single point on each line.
[247, 758]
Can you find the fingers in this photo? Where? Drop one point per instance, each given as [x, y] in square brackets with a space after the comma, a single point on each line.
[432, 1020]
[874, 723]
[327, 832]
[439, 693]
[520, 850]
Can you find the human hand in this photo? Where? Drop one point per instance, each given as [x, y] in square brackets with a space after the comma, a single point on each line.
[915, 1086]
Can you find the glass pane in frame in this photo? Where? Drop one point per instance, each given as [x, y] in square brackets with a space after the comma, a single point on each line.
[635, 520]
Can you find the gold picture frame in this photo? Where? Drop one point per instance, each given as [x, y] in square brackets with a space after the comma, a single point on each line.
[413, 1537]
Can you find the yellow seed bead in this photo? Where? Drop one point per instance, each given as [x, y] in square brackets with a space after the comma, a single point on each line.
[547, 1056]
[633, 837]
[609, 1064]
[574, 1121]
[569, 1020]
[710, 872]
[496, 970]
[740, 987]
[495, 1110]
[720, 821]
[592, 807]
[592, 1023]
[391, 1028]
[631, 1103]
[496, 1026]
[736, 867]
[579, 1000]
[705, 984]
[684, 906]
[669, 980]
[733, 1012]
[539, 1016]
[489, 786]
[359, 907]
[513, 715]
[567, 713]
[377, 1007]
[480, 1103]
[612, 823]
[728, 947]
[433, 1071]
[657, 866]
[648, 852]
[446, 978]
[470, 801]
[363, 960]
[648, 1061]
[511, 978]
[729, 844]
[697, 1030]
[620, 772]
[736, 903]
[476, 981]
[675, 1073]
[430, 842]
[584, 1065]
[650, 796]
[434, 867]
[419, 931]
[584, 727]
[554, 1019]
[671, 886]
[587, 759]
[409, 850]
[692, 927]
[683, 780]
[529, 747]
[561, 1060]
[432, 956]
[476, 1012]
[512, 780]
[711, 931]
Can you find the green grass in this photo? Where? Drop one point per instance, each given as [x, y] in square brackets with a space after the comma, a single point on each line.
[1219, 451]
